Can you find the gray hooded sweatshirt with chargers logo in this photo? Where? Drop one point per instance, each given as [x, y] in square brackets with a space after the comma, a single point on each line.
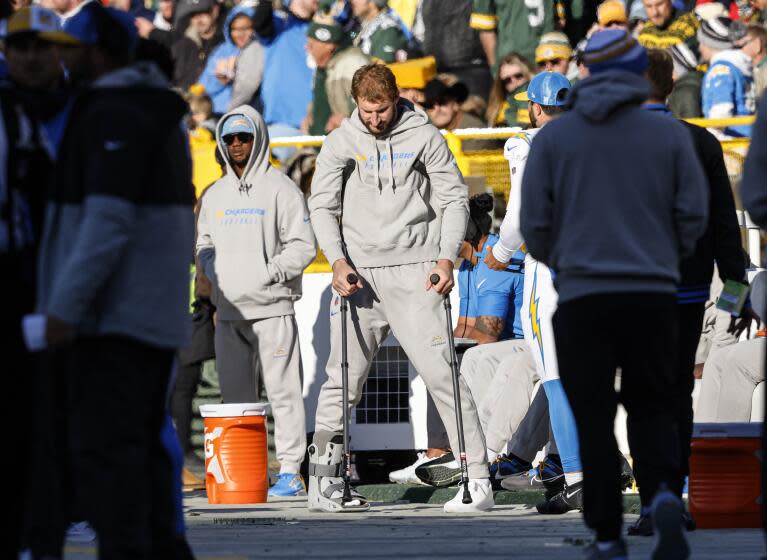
[400, 197]
[254, 239]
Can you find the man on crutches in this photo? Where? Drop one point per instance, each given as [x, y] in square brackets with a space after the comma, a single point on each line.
[389, 205]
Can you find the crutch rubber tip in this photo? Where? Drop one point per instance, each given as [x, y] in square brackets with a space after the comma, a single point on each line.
[351, 278]
[434, 278]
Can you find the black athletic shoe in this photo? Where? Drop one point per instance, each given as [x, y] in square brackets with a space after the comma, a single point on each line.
[568, 499]
[507, 466]
[551, 475]
[642, 527]
[667, 512]
[616, 552]
[440, 472]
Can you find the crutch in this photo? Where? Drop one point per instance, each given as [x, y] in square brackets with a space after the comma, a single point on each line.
[347, 497]
[434, 278]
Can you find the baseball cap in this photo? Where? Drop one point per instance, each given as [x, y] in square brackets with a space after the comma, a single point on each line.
[611, 11]
[547, 88]
[236, 123]
[614, 49]
[325, 31]
[438, 91]
[42, 22]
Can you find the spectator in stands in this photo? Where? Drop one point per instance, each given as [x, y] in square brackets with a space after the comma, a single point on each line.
[755, 47]
[218, 76]
[135, 8]
[163, 18]
[511, 26]
[248, 73]
[381, 36]
[612, 13]
[190, 52]
[443, 103]
[455, 45]
[554, 54]
[667, 26]
[286, 95]
[337, 61]
[514, 73]
[684, 100]
[727, 89]
[201, 109]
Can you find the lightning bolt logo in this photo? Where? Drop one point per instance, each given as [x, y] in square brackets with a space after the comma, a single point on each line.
[535, 321]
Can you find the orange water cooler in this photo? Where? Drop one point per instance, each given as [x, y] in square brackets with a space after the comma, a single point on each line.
[236, 460]
[725, 488]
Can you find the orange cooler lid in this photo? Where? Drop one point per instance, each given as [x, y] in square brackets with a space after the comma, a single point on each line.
[232, 410]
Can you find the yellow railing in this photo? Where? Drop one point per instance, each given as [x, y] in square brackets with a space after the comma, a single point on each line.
[489, 166]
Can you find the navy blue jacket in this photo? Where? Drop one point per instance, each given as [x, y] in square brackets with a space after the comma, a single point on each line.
[612, 196]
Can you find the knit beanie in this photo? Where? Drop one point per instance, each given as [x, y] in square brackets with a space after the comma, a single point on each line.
[553, 45]
[684, 59]
[614, 49]
[720, 33]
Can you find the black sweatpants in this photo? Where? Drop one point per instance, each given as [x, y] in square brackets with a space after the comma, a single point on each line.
[121, 472]
[690, 326]
[636, 332]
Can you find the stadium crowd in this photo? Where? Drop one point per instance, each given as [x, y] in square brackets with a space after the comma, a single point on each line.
[92, 98]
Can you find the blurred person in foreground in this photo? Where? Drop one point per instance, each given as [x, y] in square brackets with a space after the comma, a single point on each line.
[113, 289]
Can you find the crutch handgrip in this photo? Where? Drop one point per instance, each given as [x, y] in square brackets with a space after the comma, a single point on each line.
[434, 278]
[351, 278]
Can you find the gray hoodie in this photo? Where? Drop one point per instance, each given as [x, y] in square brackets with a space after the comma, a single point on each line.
[254, 239]
[404, 199]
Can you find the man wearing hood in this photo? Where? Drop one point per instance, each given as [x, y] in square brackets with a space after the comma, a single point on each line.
[728, 86]
[612, 214]
[390, 178]
[254, 241]
[113, 289]
[203, 34]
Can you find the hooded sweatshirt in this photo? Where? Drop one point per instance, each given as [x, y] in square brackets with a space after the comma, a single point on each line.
[220, 93]
[612, 195]
[119, 224]
[400, 196]
[254, 239]
[728, 89]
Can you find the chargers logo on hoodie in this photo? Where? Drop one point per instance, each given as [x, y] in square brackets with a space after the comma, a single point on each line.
[239, 216]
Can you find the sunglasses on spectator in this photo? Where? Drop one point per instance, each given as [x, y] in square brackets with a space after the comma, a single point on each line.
[243, 137]
[513, 78]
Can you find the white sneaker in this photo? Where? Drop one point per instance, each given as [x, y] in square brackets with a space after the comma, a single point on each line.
[407, 475]
[481, 497]
[80, 532]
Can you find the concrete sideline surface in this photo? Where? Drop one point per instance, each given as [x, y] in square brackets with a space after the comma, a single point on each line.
[284, 528]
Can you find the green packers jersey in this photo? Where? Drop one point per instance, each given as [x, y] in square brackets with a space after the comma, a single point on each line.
[519, 24]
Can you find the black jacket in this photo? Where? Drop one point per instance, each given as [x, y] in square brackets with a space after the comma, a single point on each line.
[721, 241]
[190, 53]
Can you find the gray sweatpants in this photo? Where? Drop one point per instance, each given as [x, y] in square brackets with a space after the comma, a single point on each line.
[729, 378]
[243, 348]
[501, 377]
[395, 297]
